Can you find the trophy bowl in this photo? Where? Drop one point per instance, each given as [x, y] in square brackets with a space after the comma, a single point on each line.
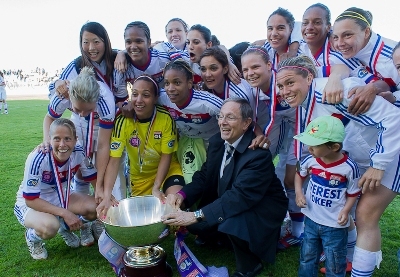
[136, 221]
[135, 224]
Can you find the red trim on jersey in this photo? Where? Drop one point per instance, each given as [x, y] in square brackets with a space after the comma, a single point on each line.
[338, 162]
[188, 100]
[328, 175]
[303, 178]
[353, 194]
[144, 67]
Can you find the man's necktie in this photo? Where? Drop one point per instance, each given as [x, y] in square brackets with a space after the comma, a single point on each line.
[229, 154]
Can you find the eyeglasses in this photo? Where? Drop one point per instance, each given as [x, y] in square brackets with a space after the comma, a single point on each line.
[228, 117]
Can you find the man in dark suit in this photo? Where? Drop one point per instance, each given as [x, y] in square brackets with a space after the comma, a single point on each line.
[245, 199]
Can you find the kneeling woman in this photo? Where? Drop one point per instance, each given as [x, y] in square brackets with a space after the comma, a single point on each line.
[44, 201]
[150, 139]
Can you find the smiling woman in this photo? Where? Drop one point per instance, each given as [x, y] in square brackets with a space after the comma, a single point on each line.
[44, 203]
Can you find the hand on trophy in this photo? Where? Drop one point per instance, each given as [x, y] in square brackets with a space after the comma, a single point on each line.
[175, 200]
[104, 205]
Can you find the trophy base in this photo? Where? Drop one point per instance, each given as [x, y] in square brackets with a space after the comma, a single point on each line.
[154, 266]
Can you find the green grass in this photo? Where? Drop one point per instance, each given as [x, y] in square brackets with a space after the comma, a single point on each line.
[21, 131]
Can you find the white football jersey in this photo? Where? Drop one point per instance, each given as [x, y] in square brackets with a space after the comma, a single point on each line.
[328, 188]
[197, 117]
[39, 179]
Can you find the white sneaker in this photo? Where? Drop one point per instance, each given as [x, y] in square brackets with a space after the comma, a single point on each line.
[70, 238]
[36, 249]
[97, 228]
[87, 238]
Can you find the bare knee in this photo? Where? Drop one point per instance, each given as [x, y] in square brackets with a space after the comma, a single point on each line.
[173, 189]
[48, 229]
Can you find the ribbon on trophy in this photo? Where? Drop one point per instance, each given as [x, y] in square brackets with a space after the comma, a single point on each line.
[189, 265]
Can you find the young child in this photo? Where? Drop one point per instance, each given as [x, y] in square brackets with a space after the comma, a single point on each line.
[331, 192]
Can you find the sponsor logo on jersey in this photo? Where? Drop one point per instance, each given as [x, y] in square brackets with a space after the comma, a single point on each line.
[32, 182]
[157, 134]
[115, 145]
[196, 119]
[362, 73]
[171, 143]
[134, 141]
[107, 120]
[322, 174]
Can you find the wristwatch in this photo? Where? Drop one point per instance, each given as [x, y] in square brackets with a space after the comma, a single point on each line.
[199, 215]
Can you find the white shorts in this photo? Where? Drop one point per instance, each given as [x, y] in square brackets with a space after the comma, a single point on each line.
[3, 94]
[391, 177]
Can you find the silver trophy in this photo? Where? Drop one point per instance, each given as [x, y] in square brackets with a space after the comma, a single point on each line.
[136, 226]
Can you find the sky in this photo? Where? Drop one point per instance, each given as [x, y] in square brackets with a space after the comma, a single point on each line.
[45, 33]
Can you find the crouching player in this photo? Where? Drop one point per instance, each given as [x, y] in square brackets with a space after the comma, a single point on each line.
[44, 203]
[331, 193]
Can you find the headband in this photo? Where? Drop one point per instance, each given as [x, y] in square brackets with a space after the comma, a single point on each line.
[257, 49]
[149, 78]
[295, 67]
[354, 15]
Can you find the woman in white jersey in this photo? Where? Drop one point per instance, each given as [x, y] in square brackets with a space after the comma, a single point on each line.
[3, 94]
[194, 113]
[199, 38]
[141, 58]
[353, 37]
[92, 100]
[96, 52]
[372, 140]
[45, 206]
[176, 31]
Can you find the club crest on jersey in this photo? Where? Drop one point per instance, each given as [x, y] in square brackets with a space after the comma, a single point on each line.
[47, 177]
[157, 134]
[173, 114]
[171, 143]
[282, 101]
[333, 182]
[115, 145]
[134, 141]
[362, 73]
[32, 182]
[158, 77]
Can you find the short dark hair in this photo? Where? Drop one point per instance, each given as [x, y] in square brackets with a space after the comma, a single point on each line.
[285, 14]
[329, 144]
[246, 111]
[361, 17]
[323, 7]
[203, 30]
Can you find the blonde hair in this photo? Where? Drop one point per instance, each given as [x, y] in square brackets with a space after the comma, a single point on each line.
[85, 87]
[62, 122]
[302, 64]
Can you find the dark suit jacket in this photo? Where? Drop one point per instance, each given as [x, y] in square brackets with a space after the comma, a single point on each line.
[248, 201]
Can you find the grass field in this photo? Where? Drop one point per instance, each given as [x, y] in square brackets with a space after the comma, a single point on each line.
[21, 131]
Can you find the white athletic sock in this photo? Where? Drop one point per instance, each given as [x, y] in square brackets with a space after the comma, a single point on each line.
[364, 262]
[1, 106]
[295, 213]
[351, 243]
[32, 236]
[5, 106]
